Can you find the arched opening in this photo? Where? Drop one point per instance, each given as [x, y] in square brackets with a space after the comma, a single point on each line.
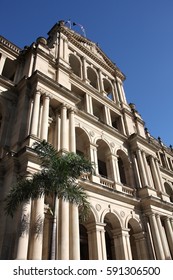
[92, 77]
[112, 230]
[122, 171]
[87, 231]
[84, 252]
[125, 171]
[75, 65]
[82, 142]
[103, 151]
[137, 241]
[108, 89]
[169, 191]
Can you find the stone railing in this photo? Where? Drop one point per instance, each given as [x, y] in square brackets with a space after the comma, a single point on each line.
[128, 190]
[106, 182]
[85, 176]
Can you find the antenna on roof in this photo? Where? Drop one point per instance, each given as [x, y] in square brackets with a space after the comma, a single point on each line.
[81, 27]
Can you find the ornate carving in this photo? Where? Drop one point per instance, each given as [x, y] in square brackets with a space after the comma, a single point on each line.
[98, 207]
[112, 144]
[122, 213]
[91, 133]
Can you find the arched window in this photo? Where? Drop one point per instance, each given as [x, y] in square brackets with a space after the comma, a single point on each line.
[75, 65]
[92, 77]
[169, 191]
[82, 142]
[125, 171]
[108, 88]
[122, 171]
[84, 253]
[103, 152]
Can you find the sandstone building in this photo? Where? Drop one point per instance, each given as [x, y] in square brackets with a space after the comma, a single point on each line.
[66, 90]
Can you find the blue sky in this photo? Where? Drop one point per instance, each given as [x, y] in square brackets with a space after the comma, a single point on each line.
[135, 34]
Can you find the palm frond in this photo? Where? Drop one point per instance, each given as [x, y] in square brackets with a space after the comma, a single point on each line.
[59, 174]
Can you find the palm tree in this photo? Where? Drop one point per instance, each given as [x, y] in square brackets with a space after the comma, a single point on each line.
[57, 178]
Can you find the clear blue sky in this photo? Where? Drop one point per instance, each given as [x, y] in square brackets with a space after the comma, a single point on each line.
[135, 34]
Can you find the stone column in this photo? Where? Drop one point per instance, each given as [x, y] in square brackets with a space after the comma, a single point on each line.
[64, 229]
[45, 118]
[154, 173]
[159, 175]
[169, 233]
[112, 159]
[117, 170]
[93, 157]
[98, 242]
[141, 168]
[156, 237]
[122, 244]
[146, 168]
[39, 203]
[117, 99]
[121, 91]
[138, 179]
[55, 231]
[74, 233]
[22, 248]
[35, 113]
[88, 104]
[149, 239]
[101, 81]
[2, 63]
[64, 132]
[171, 220]
[162, 236]
[72, 136]
[84, 70]
[143, 246]
[103, 242]
[106, 116]
[97, 246]
[29, 117]
[57, 131]
[65, 48]
[40, 119]
[38, 229]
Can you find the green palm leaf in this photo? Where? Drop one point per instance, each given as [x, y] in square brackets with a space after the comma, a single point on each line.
[58, 175]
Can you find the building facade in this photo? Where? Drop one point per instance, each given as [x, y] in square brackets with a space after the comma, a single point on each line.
[64, 89]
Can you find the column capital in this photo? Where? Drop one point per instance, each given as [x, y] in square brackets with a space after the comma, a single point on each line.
[47, 95]
[36, 91]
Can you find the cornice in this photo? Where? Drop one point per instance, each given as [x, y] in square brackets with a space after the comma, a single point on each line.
[9, 46]
[150, 201]
[38, 76]
[135, 140]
